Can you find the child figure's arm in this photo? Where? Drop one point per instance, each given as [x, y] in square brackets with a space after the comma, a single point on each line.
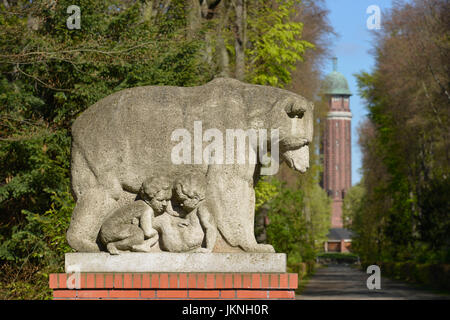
[210, 230]
[170, 210]
[146, 222]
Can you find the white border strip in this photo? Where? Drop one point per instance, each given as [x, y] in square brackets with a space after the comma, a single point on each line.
[339, 115]
[176, 262]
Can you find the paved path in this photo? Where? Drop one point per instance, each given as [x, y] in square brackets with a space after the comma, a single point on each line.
[338, 282]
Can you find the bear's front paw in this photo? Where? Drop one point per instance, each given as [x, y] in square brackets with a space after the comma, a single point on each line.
[263, 248]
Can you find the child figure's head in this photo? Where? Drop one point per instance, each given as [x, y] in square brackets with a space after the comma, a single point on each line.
[190, 190]
[156, 191]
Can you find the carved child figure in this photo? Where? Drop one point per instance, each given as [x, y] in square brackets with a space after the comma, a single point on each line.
[193, 226]
[129, 228]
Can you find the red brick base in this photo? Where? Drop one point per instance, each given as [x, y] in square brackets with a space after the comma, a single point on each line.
[140, 286]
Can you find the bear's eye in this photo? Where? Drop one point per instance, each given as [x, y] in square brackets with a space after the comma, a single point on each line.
[293, 111]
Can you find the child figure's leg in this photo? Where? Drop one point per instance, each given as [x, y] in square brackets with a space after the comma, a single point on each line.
[130, 235]
[148, 245]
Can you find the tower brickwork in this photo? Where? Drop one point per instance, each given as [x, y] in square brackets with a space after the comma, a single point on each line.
[337, 143]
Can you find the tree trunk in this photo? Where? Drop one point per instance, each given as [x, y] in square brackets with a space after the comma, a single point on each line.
[194, 17]
[223, 57]
[239, 43]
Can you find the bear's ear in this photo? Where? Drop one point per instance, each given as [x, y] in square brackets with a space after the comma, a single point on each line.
[294, 110]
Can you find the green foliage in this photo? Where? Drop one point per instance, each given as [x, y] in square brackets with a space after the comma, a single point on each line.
[436, 276]
[265, 190]
[318, 212]
[48, 76]
[398, 214]
[35, 249]
[287, 228]
[24, 283]
[298, 221]
[276, 45]
[352, 205]
[401, 214]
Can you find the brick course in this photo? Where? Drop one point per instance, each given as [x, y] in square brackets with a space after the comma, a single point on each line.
[176, 286]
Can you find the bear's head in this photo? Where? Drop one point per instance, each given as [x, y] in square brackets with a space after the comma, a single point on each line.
[292, 115]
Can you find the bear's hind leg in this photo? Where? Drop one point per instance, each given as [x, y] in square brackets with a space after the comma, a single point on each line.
[90, 211]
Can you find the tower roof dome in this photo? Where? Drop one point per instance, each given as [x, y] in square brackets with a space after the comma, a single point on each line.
[335, 83]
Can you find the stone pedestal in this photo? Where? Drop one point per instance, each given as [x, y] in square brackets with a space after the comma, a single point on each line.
[205, 276]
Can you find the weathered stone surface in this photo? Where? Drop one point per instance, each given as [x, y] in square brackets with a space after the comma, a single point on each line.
[175, 262]
[125, 138]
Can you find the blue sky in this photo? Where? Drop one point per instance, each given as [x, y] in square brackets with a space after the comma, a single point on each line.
[351, 47]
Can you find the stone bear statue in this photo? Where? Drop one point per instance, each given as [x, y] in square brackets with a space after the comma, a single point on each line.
[128, 136]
